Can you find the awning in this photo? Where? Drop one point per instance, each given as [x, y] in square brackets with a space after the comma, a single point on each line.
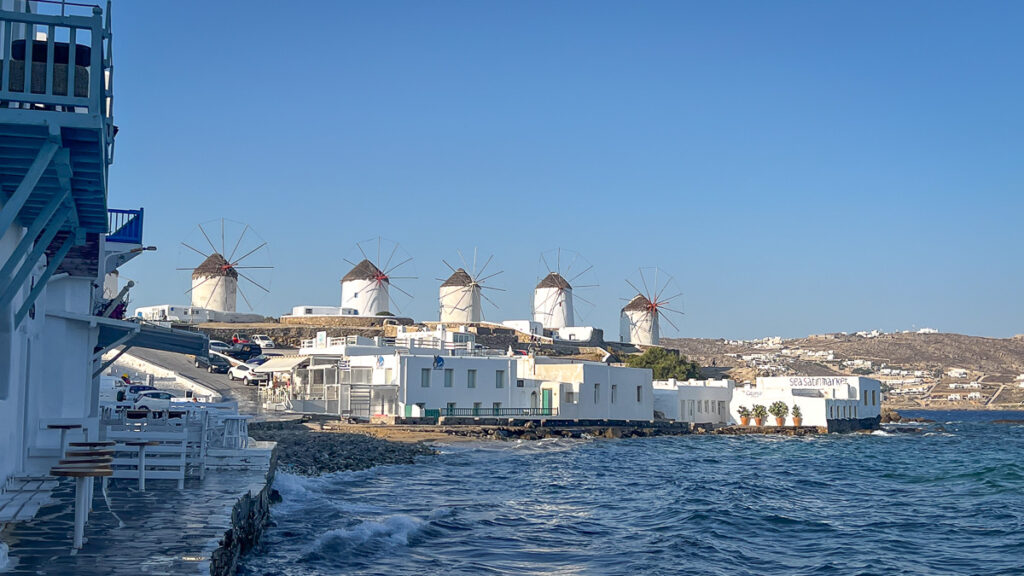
[281, 364]
[113, 333]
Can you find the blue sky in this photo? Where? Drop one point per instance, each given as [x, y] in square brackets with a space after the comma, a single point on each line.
[798, 167]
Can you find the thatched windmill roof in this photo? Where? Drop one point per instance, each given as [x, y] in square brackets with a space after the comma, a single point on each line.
[554, 280]
[365, 270]
[460, 279]
[639, 303]
[214, 265]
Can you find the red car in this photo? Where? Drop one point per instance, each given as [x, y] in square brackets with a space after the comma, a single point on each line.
[240, 338]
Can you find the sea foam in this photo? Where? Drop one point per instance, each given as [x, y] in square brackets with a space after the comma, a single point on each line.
[391, 531]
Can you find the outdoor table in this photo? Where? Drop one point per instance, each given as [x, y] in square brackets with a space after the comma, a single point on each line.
[82, 476]
[63, 432]
[141, 444]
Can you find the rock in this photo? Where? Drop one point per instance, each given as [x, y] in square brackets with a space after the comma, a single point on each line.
[890, 415]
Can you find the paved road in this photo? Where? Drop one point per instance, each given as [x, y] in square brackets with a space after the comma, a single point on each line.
[184, 365]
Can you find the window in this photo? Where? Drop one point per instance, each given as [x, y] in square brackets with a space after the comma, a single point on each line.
[425, 378]
[639, 393]
[874, 398]
[691, 403]
[476, 406]
[449, 375]
[471, 379]
[865, 397]
[597, 393]
[387, 375]
[570, 397]
[615, 393]
[497, 408]
[520, 383]
[499, 378]
[309, 310]
[451, 409]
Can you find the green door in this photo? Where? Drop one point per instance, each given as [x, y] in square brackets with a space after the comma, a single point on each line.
[545, 402]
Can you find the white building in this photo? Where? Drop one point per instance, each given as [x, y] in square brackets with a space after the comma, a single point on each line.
[552, 302]
[215, 284]
[460, 298]
[58, 242]
[694, 401]
[974, 396]
[314, 310]
[575, 333]
[525, 326]
[185, 314]
[954, 397]
[442, 373]
[365, 288]
[639, 322]
[835, 402]
[956, 373]
[589, 390]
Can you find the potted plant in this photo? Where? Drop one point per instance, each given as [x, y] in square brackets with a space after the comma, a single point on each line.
[780, 411]
[798, 416]
[759, 412]
[744, 413]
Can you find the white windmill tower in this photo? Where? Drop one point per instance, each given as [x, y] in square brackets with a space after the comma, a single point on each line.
[553, 298]
[461, 293]
[367, 286]
[641, 317]
[215, 281]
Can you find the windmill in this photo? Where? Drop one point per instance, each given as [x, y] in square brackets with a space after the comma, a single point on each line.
[216, 281]
[553, 298]
[461, 293]
[642, 315]
[367, 286]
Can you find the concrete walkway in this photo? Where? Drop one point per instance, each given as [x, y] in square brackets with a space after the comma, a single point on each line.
[162, 531]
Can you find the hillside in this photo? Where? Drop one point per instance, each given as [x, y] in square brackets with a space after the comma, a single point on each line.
[916, 368]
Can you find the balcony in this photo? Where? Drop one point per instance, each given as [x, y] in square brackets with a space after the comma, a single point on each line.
[56, 112]
[124, 226]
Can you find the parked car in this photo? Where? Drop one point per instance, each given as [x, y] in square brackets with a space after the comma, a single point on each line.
[247, 375]
[214, 363]
[154, 400]
[237, 338]
[243, 352]
[219, 346]
[259, 360]
[134, 390]
[263, 340]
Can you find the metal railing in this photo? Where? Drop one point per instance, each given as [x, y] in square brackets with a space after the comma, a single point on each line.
[124, 226]
[484, 412]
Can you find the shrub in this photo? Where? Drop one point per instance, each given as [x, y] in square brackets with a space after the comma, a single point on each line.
[797, 413]
[778, 409]
[743, 411]
[665, 364]
[759, 411]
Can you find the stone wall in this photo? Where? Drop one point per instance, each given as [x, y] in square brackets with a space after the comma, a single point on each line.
[249, 518]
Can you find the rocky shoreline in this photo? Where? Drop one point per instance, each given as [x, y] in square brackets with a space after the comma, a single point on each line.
[302, 450]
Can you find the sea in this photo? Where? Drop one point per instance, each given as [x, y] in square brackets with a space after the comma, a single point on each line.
[946, 500]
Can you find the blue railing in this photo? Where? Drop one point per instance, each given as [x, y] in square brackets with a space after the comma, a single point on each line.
[124, 226]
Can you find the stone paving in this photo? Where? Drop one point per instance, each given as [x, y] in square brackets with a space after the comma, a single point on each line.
[160, 531]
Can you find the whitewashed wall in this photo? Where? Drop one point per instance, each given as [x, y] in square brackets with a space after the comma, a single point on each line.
[365, 296]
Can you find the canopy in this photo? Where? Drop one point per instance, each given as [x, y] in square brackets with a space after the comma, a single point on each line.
[281, 364]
